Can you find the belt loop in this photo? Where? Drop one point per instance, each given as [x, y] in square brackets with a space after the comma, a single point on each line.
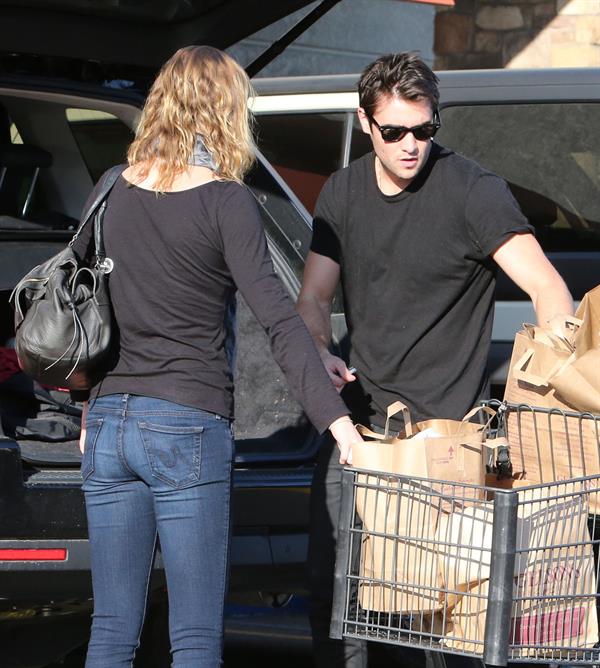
[124, 400]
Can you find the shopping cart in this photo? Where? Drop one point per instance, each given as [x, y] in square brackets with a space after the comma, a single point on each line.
[503, 572]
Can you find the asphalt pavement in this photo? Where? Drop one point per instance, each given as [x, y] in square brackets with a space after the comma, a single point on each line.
[271, 635]
[380, 656]
[234, 658]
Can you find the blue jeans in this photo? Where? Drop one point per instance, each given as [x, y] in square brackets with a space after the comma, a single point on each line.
[152, 467]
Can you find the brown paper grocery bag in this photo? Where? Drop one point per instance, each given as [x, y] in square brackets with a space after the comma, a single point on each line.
[537, 356]
[564, 369]
[440, 449]
[554, 595]
[465, 622]
[545, 447]
[399, 566]
[578, 381]
[555, 580]
[464, 539]
[398, 569]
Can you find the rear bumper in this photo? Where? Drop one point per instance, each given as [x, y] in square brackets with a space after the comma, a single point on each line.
[260, 562]
[45, 555]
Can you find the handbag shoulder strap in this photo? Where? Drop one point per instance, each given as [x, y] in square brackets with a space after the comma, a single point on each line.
[109, 180]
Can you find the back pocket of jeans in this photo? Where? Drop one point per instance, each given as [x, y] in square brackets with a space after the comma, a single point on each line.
[92, 430]
[174, 453]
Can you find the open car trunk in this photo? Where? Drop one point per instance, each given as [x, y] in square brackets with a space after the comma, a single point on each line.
[44, 421]
[58, 134]
[128, 33]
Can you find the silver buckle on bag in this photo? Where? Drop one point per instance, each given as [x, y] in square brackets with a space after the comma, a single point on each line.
[106, 266]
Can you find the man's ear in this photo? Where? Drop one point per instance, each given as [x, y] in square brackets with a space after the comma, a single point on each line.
[364, 121]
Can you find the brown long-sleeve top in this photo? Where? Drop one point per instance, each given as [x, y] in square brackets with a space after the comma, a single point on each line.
[178, 259]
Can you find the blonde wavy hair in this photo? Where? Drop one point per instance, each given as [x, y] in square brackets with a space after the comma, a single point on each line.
[199, 90]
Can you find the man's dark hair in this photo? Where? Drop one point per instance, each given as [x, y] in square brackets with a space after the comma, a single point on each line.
[403, 75]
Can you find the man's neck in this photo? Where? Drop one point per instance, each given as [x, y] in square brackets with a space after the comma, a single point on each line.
[389, 183]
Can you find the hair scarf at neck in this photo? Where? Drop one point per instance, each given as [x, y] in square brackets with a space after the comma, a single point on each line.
[201, 156]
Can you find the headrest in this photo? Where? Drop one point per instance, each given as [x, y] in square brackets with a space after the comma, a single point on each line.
[24, 155]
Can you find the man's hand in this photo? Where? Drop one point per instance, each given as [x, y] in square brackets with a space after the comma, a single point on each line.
[337, 370]
[345, 433]
[84, 413]
[565, 327]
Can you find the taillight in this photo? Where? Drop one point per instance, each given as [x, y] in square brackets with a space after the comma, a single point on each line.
[33, 554]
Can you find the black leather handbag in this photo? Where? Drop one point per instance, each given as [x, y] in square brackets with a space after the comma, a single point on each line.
[64, 331]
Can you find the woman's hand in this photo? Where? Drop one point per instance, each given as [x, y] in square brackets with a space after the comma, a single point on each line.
[338, 371]
[345, 433]
[84, 413]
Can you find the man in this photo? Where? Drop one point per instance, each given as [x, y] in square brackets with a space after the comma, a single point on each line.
[414, 233]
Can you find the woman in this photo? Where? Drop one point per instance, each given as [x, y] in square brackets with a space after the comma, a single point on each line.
[183, 234]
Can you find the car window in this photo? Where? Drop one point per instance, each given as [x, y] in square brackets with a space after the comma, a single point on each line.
[305, 148]
[101, 138]
[550, 156]
[549, 153]
[15, 135]
[18, 175]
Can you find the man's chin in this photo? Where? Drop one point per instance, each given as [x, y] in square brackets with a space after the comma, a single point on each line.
[406, 174]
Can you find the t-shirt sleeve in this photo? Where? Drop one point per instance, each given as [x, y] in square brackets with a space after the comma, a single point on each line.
[248, 259]
[325, 240]
[493, 215]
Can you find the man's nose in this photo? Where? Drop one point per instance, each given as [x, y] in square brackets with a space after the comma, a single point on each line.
[408, 143]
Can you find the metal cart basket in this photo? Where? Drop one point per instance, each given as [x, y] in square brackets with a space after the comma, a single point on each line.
[504, 572]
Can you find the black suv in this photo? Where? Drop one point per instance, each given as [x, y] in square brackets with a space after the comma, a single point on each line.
[63, 121]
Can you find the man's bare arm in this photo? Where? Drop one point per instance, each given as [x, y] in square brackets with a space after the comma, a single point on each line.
[523, 261]
[320, 281]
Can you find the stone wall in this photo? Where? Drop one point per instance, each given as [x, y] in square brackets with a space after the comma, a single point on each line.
[518, 33]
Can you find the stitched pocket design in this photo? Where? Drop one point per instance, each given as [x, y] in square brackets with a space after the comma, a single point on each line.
[174, 453]
[92, 430]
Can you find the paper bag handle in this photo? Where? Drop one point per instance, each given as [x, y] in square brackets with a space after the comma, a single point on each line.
[392, 410]
[497, 442]
[550, 336]
[365, 431]
[485, 409]
[519, 372]
[565, 327]
[492, 443]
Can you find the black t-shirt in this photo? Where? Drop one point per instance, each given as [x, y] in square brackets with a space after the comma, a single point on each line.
[418, 281]
[178, 259]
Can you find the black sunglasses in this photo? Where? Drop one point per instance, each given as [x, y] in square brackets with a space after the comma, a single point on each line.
[393, 133]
